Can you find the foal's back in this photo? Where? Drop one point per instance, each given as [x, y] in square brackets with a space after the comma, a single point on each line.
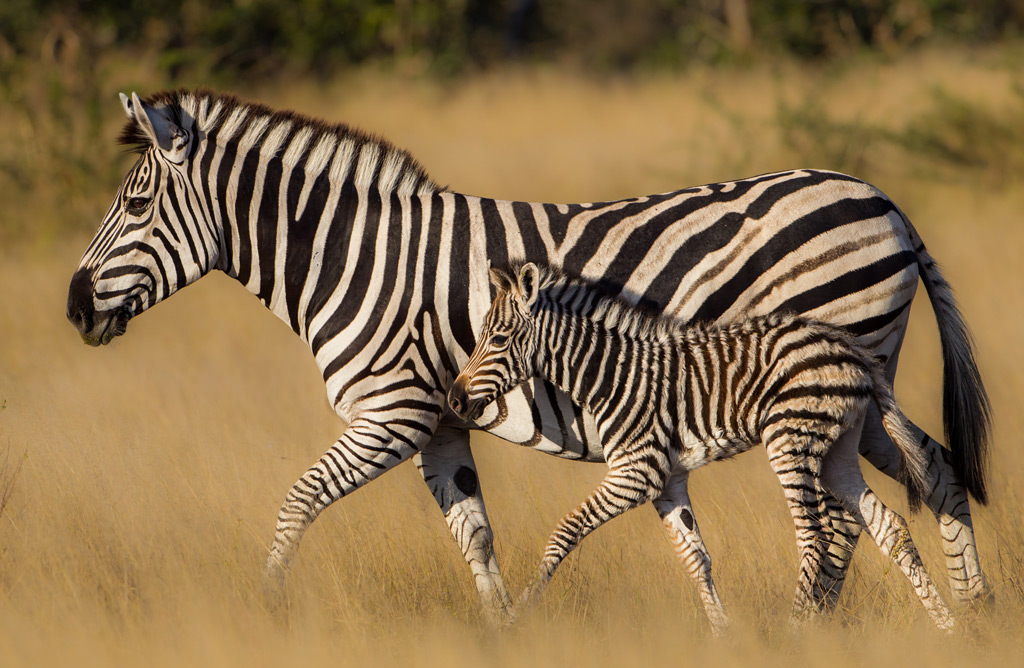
[740, 385]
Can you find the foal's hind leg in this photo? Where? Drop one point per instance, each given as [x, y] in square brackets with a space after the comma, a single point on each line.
[622, 488]
[796, 460]
[842, 477]
[673, 505]
[841, 532]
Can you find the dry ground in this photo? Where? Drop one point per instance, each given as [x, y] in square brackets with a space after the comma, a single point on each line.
[151, 470]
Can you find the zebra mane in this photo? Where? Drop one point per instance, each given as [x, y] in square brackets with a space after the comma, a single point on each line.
[574, 294]
[369, 158]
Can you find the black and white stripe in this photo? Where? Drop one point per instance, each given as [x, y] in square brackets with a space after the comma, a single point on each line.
[668, 399]
[384, 275]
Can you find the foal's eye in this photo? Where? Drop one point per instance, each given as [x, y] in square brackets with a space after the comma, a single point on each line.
[137, 205]
[499, 340]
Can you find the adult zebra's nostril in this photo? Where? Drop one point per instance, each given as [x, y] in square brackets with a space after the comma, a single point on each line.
[80, 310]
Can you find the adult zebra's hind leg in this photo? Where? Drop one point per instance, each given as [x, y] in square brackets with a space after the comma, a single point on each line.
[673, 505]
[447, 466]
[842, 477]
[623, 488]
[948, 499]
[948, 502]
[365, 451]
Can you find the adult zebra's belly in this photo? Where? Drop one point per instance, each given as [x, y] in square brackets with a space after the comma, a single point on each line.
[545, 419]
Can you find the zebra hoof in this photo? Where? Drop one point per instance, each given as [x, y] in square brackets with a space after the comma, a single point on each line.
[275, 589]
[979, 598]
[719, 627]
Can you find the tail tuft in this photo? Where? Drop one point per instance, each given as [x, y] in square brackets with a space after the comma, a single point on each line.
[966, 412]
[965, 406]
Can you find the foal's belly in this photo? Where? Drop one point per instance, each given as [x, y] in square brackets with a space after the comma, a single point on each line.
[696, 451]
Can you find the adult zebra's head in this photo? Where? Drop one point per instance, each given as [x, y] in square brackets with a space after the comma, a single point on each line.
[506, 349]
[154, 239]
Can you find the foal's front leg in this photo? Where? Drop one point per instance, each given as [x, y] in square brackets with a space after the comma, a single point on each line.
[624, 487]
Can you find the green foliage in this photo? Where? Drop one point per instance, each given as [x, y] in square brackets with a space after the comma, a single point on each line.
[823, 141]
[58, 164]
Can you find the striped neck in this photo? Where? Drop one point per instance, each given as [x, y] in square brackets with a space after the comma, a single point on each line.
[588, 343]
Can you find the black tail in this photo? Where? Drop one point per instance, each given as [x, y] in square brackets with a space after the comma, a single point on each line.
[966, 411]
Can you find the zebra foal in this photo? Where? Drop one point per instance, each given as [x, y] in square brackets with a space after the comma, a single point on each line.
[668, 399]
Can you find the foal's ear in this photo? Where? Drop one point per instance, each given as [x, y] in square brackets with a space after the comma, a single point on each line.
[498, 279]
[528, 279]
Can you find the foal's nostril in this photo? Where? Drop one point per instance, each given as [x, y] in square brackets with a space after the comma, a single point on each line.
[457, 398]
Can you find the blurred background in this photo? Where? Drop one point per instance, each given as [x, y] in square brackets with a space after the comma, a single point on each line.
[139, 482]
[934, 82]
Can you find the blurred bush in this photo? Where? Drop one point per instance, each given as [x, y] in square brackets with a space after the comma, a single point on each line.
[262, 36]
[59, 60]
[953, 137]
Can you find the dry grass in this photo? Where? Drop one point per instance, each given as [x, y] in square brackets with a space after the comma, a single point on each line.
[138, 526]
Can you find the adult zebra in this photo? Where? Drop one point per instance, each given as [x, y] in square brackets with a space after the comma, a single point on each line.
[384, 275]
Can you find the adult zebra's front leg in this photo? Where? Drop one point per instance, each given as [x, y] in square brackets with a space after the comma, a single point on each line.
[447, 466]
[676, 512]
[368, 448]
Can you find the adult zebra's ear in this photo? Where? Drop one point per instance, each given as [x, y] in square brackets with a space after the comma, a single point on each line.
[158, 126]
[528, 279]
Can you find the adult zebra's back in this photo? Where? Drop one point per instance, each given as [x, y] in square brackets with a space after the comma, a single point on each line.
[384, 275]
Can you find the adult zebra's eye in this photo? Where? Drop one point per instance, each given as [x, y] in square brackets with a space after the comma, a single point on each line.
[137, 205]
[498, 340]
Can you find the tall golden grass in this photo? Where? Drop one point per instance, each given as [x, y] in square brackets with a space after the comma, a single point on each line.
[151, 470]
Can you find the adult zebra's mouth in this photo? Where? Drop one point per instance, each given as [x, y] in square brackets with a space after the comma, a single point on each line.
[116, 324]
